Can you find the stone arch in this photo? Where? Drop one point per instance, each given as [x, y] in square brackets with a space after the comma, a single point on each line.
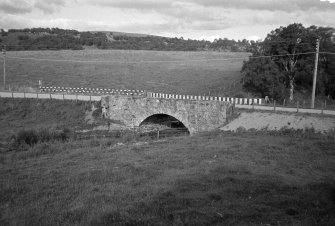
[140, 120]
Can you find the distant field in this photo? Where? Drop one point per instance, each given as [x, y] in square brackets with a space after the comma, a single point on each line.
[172, 72]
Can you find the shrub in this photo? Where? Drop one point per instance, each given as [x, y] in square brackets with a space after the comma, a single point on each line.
[28, 138]
[241, 129]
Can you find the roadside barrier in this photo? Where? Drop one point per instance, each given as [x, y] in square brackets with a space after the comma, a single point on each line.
[97, 91]
[128, 92]
[241, 101]
[50, 96]
[94, 94]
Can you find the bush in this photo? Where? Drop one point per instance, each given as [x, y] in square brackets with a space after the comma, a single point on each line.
[28, 138]
[241, 129]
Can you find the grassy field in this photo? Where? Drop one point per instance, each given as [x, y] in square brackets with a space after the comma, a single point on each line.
[172, 72]
[218, 178]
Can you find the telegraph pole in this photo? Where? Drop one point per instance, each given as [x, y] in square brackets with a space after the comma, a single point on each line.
[4, 67]
[315, 71]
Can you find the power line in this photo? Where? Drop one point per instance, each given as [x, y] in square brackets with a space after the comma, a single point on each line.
[327, 53]
[281, 55]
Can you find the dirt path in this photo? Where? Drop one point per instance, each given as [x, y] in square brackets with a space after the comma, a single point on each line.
[276, 121]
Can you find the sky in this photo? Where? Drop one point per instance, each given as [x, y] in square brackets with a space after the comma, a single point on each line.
[194, 19]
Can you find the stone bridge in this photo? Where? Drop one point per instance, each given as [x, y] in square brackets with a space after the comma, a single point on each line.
[196, 115]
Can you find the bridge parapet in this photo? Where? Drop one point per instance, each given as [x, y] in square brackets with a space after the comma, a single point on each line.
[235, 100]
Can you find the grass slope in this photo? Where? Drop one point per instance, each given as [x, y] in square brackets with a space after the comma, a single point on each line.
[210, 179]
[126, 69]
[18, 114]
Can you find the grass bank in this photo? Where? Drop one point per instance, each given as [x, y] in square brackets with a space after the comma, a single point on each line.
[214, 178]
[18, 114]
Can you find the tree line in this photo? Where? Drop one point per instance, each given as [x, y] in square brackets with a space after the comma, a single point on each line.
[57, 39]
[284, 62]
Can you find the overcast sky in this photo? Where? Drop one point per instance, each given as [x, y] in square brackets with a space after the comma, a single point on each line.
[196, 19]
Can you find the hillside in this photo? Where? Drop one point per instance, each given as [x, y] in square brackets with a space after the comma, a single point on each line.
[57, 39]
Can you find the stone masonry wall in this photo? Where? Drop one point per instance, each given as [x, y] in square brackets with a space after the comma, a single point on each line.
[196, 115]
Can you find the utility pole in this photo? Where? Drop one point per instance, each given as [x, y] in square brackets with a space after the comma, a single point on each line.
[4, 67]
[315, 71]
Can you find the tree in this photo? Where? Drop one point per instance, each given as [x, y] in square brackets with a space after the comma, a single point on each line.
[262, 76]
[291, 50]
[286, 44]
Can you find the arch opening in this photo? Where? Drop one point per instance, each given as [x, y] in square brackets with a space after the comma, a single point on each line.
[166, 124]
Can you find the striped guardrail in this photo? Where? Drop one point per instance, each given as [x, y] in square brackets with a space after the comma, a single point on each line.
[98, 91]
[127, 92]
[50, 96]
[235, 100]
